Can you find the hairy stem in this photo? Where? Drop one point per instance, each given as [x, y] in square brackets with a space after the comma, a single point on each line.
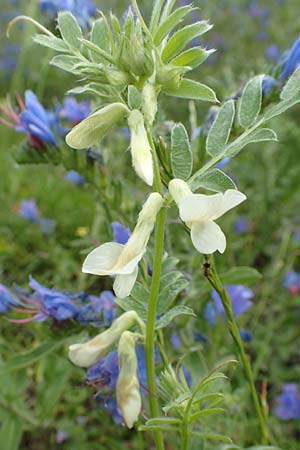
[215, 281]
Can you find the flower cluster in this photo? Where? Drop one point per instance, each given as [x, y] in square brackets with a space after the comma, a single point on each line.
[43, 303]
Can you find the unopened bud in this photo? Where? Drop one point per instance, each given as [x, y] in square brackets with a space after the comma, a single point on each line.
[85, 355]
[140, 147]
[128, 387]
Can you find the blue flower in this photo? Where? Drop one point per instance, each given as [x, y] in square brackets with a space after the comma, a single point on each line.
[96, 311]
[121, 234]
[6, 299]
[75, 111]
[74, 177]
[29, 210]
[53, 303]
[288, 402]
[240, 297]
[241, 225]
[83, 10]
[291, 61]
[33, 120]
[292, 282]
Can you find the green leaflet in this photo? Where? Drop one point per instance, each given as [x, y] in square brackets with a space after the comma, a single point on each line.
[192, 57]
[258, 135]
[51, 42]
[213, 180]
[193, 90]
[65, 62]
[100, 37]
[69, 29]
[181, 154]
[240, 275]
[11, 432]
[171, 284]
[170, 315]
[292, 87]
[20, 361]
[91, 130]
[157, 8]
[181, 38]
[220, 130]
[250, 102]
[281, 107]
[170, 23]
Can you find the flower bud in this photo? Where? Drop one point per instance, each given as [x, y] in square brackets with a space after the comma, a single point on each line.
[85, 355]
[149, 102]
[140, 147]
[128, 387]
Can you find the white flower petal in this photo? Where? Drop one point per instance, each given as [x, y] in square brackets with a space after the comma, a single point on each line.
[102, 259]
[125, 266]
[200, 207]
[131, 407]
[231, 198]
[123, 284]
[208, 237]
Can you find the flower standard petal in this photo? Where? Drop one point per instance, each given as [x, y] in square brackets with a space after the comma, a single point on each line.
[201, 208]
[230, 199]
[208, 237]
[124, 283]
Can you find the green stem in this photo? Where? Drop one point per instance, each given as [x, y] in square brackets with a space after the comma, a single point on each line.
[152, 306]
[215, 281]
[150, 325]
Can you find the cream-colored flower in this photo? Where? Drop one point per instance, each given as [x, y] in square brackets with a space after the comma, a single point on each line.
[128, 387]
[122, 260]
[85, 355]
[199, 212]
[140, 147]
